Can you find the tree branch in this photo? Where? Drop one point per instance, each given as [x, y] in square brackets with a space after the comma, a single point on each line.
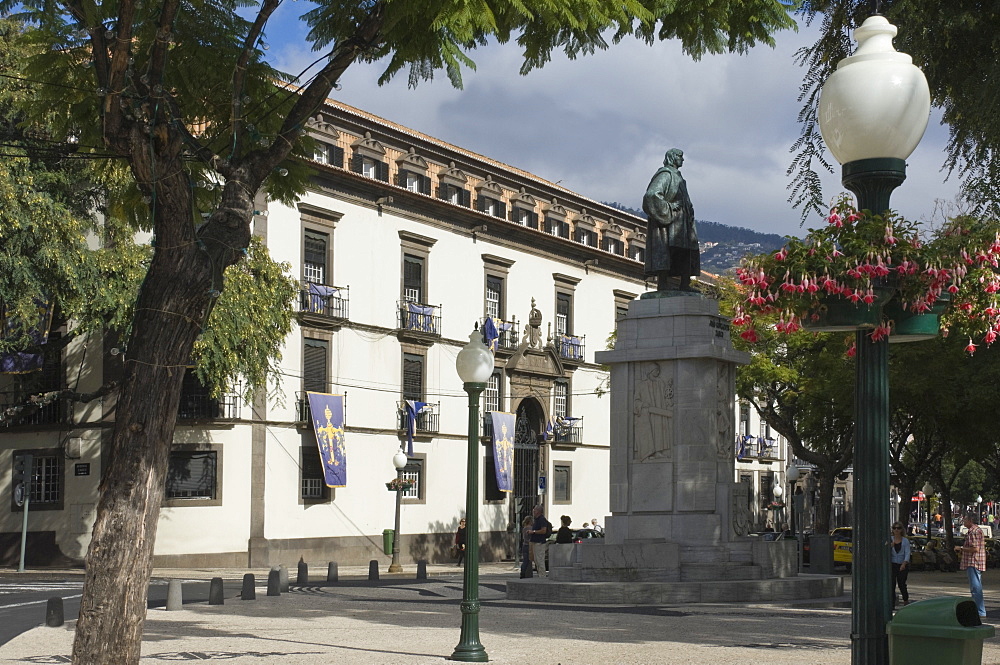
[240, 70]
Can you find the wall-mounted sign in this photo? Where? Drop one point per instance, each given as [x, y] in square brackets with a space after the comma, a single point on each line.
[81, 469]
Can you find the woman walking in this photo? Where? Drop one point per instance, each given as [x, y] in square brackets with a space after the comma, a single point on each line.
[899, 555]
[460, 541]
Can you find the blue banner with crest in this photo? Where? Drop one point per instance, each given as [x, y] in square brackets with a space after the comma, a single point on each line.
[327, 413]
[503, 449]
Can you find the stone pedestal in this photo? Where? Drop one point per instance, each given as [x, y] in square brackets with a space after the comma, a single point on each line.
[672, 405]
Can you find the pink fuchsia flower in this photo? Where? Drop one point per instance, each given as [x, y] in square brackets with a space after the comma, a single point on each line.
[953, 288]
[889, 238]
[851, 352]
[835, 219]
[879, 332]
[749, 335]
[781, 254]
[990, 337]
[869, 297]
[853, 217]
[970, 347]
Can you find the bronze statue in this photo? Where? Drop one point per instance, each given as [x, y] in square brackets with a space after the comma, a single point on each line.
[672, 240]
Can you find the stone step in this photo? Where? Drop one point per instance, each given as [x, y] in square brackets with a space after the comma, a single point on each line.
[714, 572]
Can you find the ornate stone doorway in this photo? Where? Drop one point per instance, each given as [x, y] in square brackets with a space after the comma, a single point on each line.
[527, 433]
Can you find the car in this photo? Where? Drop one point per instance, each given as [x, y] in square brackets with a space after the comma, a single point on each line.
[582, 535]
[843, 546]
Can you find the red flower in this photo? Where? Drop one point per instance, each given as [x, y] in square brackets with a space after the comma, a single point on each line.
[971, 348]
[749, 335]
[835, 219]
[851, 352]
[781, 254]
[990, 337]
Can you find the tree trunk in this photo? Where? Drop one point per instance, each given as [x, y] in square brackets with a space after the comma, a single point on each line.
[825, 501]
[173, 301]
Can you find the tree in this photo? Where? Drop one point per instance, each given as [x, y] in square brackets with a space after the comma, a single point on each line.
[180, 93]
[946, 40]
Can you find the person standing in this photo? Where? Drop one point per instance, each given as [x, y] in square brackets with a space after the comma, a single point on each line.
[526, 547]
[564, 534]
[541, 529]
[460, 541]
[899, 555]
[974, 560]
[595, 526]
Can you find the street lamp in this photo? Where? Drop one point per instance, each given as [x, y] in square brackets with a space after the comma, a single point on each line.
[777, 492]
[474, 365]
[399, 461]
[979, 508]
[872, 114]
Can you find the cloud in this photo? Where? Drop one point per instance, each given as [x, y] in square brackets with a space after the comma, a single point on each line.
[600, 124]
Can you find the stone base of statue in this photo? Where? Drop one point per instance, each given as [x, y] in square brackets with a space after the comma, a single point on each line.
[679, 523]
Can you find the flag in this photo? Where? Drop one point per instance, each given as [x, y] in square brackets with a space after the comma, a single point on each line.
[37, 330]
[328, 424]
[490, 334]
[412, 409]
[503, 449]
[319, 297]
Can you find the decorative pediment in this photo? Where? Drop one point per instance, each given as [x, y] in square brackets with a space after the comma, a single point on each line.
[490, 189]
[369, 147]
[412, 161]
[585, 220]
[454, 176]
[612, 228]
[523, 200]
[555, 210]
[537, 362]
[318, 123]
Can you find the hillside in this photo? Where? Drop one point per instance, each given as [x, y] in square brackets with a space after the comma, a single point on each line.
[722, 245]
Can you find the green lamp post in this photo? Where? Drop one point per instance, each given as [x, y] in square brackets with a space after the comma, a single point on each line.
[474, 365]
[872, 114]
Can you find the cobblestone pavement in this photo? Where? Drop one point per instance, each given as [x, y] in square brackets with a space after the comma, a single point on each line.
[403, 621]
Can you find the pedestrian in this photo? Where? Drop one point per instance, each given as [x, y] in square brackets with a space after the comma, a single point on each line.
[541, 529]
[899, 555]
[595, 526]
[526, 547]
[974, 560]
[564, 534]
[460, 541]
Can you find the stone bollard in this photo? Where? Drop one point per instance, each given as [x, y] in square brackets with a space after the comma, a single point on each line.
[421, 570]
[54, 612]
[303, 577]
[332, 573]
[175, 595]
[249, 591]
[373, 571]
[283, 578]
[274, 582]
[216, 596]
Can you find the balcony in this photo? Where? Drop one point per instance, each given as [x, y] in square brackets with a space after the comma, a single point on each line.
[22, 409]
[325, 302]
[426, 422]
[198, 404]
[756, 447]
[303, 413]
[419, 318]
[570, 347]
[507, 333]
[565, 430]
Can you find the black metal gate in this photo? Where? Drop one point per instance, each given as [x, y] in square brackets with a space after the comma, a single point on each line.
[525, 494]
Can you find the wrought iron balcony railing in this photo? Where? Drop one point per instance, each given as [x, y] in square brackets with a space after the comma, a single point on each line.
[332, 302]
[426, 419]
[571, 347]
[755, 447]
[200, 405]
[28, 409]
[419, 317]
[502, 336]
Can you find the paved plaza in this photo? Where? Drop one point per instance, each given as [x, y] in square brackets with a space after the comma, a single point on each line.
[403, 621]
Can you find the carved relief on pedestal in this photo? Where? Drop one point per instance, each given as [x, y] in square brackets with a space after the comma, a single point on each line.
[653, 411]
[724, 411]
[741, 511]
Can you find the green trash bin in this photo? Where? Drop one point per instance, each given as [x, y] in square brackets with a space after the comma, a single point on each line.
[943, 631]
[387, 536]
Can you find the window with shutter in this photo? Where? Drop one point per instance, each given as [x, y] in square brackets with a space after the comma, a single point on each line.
[315, 253]
[315, 354]
[191, 475]
[313, 483]
[413, 278]
[494, 296]
[413, 377]
[564, 314]
[560, 399]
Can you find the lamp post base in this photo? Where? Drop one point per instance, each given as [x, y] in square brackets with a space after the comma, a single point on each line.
[395, 568]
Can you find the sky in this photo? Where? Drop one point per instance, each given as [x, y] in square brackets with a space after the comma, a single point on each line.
[599, 125]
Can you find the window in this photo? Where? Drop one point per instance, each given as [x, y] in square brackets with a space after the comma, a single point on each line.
[313, 482]
[560, 399]
[370, 167]
[747, 480]
[413, 377]
[494, 296]
[454, 194]
[493, 395]
[637, 254]
[414, 473]
[191, 474]
[556, 227]
[491, 490]
[744, 419]
[315, 360]
[524, 217]
[564, 314]
[327, 153]
[491, 206]
[562, 486]
[315, 254]
[46, 479]
[413, 278]
[414, 182]
[586, 237]
[613, 245]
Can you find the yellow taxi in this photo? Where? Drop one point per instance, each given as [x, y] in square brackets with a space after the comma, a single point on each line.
[843, 544]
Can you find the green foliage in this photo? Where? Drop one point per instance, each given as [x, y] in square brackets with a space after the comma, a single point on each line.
[248, 327]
